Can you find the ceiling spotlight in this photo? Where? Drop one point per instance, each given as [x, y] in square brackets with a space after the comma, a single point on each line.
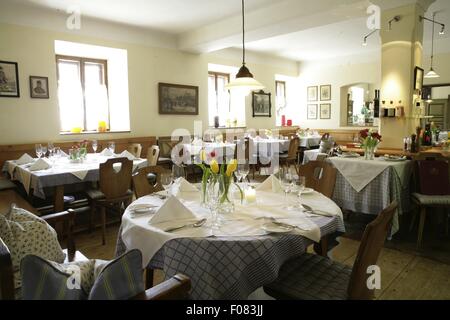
[396, 19]
[365, 42]
[442, 30]
[367, 36]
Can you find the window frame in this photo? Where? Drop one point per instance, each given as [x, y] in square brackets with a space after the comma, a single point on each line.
[284, 89]
[216, 75]
[82, 61]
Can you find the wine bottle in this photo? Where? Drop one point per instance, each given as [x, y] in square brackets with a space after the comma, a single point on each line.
[376, 104]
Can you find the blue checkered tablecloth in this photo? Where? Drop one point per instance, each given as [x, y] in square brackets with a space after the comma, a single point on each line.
[232, 267]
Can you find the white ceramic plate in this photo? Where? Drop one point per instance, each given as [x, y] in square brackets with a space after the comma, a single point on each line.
[394, 159]
[142, 208]
[273, 228]
[307, 191]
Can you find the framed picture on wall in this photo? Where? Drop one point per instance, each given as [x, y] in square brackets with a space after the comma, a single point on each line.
[177, 99]
[325, 111]
[312, 93]
[261, 104]
[418, 78]
[9, 79]
[325, 92]
[39, 87]
[312, 111]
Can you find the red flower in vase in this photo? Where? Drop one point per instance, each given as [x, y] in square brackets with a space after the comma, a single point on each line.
[364, 133]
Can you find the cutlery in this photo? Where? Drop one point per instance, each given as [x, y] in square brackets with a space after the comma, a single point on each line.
[316, 212]
[197, 224]
[281, 224]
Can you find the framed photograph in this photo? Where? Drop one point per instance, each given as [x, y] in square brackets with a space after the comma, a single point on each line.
[261, 104]
[177, 99]
[312, 93]
[9, 79]
[325, 92]
[312, 111]
[418, 78]
[39, 87]
[325, 111]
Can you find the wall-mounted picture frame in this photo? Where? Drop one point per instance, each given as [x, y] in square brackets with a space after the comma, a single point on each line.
[325, 92]
[177, 99]
[312, 93]
[418, 78]
[312, 111]
[261, 104]
[325, 111]
[39, 87]
[9, 79]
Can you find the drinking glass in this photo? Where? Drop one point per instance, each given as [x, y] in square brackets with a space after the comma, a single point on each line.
[243, 169]
[38, 148]
[213, 193]
[57, 152]
[300, 187]
[177, 172]
[44, 151]
[112, 146]
[94, 145]
[286, 184]
[51, 149]
[166, 181]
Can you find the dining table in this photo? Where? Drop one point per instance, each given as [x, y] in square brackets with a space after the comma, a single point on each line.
[309, 141]
[61, 172]
[219, 148]
[369, 186]
[243, 254]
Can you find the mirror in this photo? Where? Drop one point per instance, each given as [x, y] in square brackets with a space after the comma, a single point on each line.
[357, 104]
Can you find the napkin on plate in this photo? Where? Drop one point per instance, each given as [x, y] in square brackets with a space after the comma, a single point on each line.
[40, 164]
[106, 153]
[128, 155]
[171, 210]
[270, 184]
[24, 159]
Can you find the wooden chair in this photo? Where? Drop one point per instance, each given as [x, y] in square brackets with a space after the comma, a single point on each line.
[142, 183]
[152, 155]
[114, 189]
[135, 149]
[166, 145]
[320, 176]
[177, 287]
[314, 277]
[432, 184]
[291, 158]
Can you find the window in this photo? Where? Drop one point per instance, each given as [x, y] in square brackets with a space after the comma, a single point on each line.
[218, 97]
[82, 92]
[280, 99]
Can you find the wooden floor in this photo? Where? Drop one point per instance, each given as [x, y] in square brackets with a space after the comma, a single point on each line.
[403, 275]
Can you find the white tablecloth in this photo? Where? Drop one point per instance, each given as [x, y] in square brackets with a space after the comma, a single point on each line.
[138, 233]
[359, 172]
[309, 141]
[61, 172]
[311, 155]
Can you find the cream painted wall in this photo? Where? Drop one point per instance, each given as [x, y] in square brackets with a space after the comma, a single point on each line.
[26, 120]
[342, 73]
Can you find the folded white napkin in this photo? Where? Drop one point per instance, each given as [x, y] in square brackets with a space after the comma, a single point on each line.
[171, 210]
[106, 153]
[40, 164]
[24, 159]
[185, 186]
[128, 155]
[270, 184]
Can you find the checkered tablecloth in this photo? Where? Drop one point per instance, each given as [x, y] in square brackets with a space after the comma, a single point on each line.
[376, 196]
[232, 267]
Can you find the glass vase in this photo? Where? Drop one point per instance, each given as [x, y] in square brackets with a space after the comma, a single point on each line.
[369, 153]
[226, 205]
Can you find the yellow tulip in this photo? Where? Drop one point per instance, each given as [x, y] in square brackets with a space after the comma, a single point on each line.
[214, 166]
[203, 155]
[232, 166]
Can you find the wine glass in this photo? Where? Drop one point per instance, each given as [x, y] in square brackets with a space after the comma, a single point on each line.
[57, 152]
[94, 145]
[51, 149]
[38, 148]
[111, 146]
[166, 181]
[178, 172]
[44, 151]
[300, 187]
[286, 184]
[243, 169]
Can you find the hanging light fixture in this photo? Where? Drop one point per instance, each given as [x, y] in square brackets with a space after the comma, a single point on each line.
[244, 78]
[432, 74]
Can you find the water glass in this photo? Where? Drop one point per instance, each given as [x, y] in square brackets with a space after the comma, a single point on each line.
[44, 151]
[300, 187]
[51, 149]
[166, 181]
[112, 146]
[243, 170]
[57, 152]
[94, 145]
[38, 148]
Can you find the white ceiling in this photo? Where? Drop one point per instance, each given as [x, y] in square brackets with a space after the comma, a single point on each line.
[300, 30]
[170, 16]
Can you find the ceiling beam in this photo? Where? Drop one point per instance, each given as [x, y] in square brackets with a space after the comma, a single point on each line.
[291, 16]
